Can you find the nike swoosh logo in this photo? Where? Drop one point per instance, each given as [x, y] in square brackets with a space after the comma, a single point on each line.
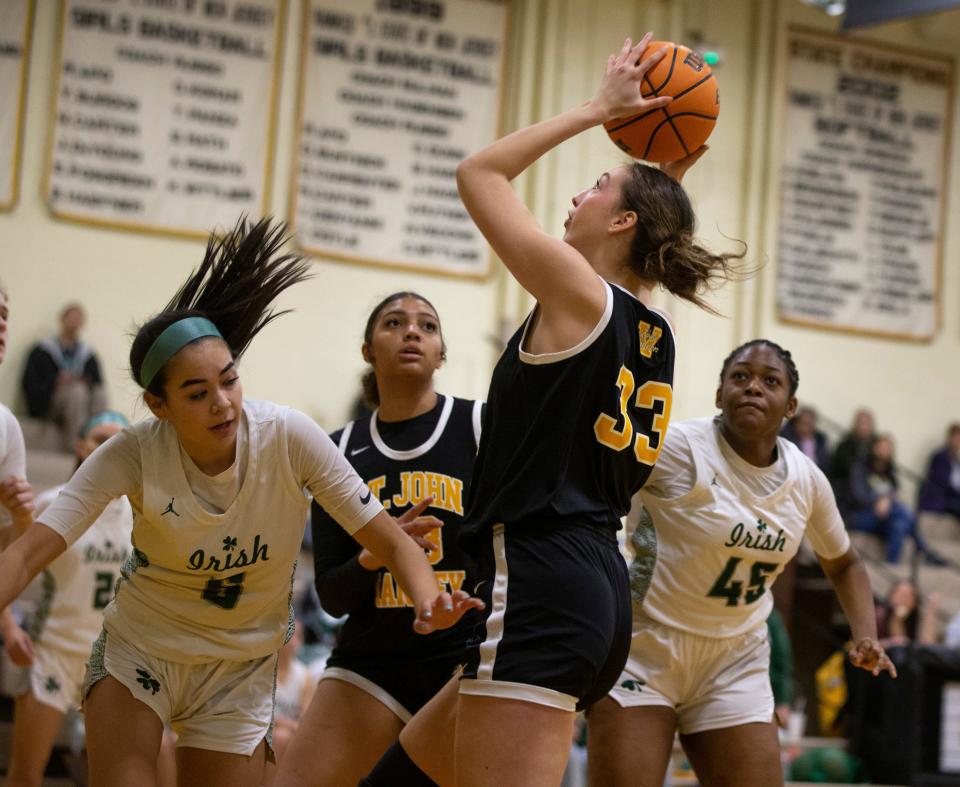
[476, 588]
[364, 499]
[356, 451]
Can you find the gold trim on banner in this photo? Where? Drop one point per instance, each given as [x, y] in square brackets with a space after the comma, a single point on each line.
[885, 46]
[321, 255]
[17, 162]
[151, 229]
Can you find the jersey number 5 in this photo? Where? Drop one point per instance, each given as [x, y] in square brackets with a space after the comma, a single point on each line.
[609, 432]
[225, 593]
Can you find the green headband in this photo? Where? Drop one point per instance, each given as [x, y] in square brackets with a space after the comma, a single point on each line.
[174, 337]
[105, 417]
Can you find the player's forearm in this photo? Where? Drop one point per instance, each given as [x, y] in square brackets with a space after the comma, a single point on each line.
[400, 554]
[24, 558]
[14, 576]
[512, 154]
[413, 573]
[852, 585]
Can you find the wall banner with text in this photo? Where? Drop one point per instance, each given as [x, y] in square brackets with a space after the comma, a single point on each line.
[393, 94]
[16, 24]
[165, 113]
[864, 162]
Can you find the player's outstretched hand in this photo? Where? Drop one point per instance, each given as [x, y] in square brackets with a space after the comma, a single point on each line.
[18, 645]
[619, 94]
[444, 610]
[869, 654]
[677, 169]
[16, 495]
[414, 525]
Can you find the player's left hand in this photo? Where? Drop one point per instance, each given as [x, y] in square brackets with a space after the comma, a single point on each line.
[444, 610]
[16, 495]
[677, 169]
[869, 654]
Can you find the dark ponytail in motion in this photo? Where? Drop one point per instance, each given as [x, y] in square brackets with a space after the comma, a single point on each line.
[242, 273]
[663, 248]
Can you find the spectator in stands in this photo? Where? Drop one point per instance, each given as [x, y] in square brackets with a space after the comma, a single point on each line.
[875, 503]
[802, 430]
[854, 446]
[62, 381]
[903, 617]
[940, 492]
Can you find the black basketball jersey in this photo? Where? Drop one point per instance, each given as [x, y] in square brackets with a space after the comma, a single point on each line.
[440, 465]
[570, 436]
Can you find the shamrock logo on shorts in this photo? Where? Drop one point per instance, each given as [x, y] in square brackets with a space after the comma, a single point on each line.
[229, 544]
[633, 685]
[146, 680]
[52, 685]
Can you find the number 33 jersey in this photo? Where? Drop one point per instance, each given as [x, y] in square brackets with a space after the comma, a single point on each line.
[570, 436]
[79, 584]
[716, 531]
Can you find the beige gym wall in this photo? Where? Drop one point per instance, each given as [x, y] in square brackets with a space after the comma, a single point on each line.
[310, 359]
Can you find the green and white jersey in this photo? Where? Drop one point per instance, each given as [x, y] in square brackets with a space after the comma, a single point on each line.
[79, 584]
[718, 530]
[200, 585]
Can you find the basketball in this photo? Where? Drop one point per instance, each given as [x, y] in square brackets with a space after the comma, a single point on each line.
[676, 130]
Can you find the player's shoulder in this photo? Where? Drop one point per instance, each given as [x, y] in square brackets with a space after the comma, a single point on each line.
[647, 325]
[694, 434]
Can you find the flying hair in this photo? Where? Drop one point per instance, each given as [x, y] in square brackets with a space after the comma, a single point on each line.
[241, 274]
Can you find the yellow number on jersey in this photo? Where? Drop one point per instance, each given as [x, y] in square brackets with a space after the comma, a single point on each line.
[605, 427]
[651, 392]
[436, 538]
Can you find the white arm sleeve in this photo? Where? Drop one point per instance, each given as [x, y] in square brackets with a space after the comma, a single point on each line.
[825, 527]
[113, 470]
[322, 469]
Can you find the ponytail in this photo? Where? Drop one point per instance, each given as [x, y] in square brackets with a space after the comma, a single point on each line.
[663, 249]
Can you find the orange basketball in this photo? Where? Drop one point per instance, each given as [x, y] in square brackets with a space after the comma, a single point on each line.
[676, 130]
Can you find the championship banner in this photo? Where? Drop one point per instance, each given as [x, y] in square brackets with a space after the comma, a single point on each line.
[165, 113]
[16, 23]
[393, 94]
[864, 163]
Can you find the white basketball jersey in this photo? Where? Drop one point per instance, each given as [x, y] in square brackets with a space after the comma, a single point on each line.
[79, 584]
[199, 586]
[705, 561]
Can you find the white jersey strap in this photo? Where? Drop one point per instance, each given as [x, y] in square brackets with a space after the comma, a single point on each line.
[477, 417]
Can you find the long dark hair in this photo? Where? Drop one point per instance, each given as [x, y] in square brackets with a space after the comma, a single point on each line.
[371, 392]
[242, 273]
[663, 247]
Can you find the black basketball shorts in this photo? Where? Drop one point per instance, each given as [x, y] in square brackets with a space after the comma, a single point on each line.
[403, 685]
[557, 624]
